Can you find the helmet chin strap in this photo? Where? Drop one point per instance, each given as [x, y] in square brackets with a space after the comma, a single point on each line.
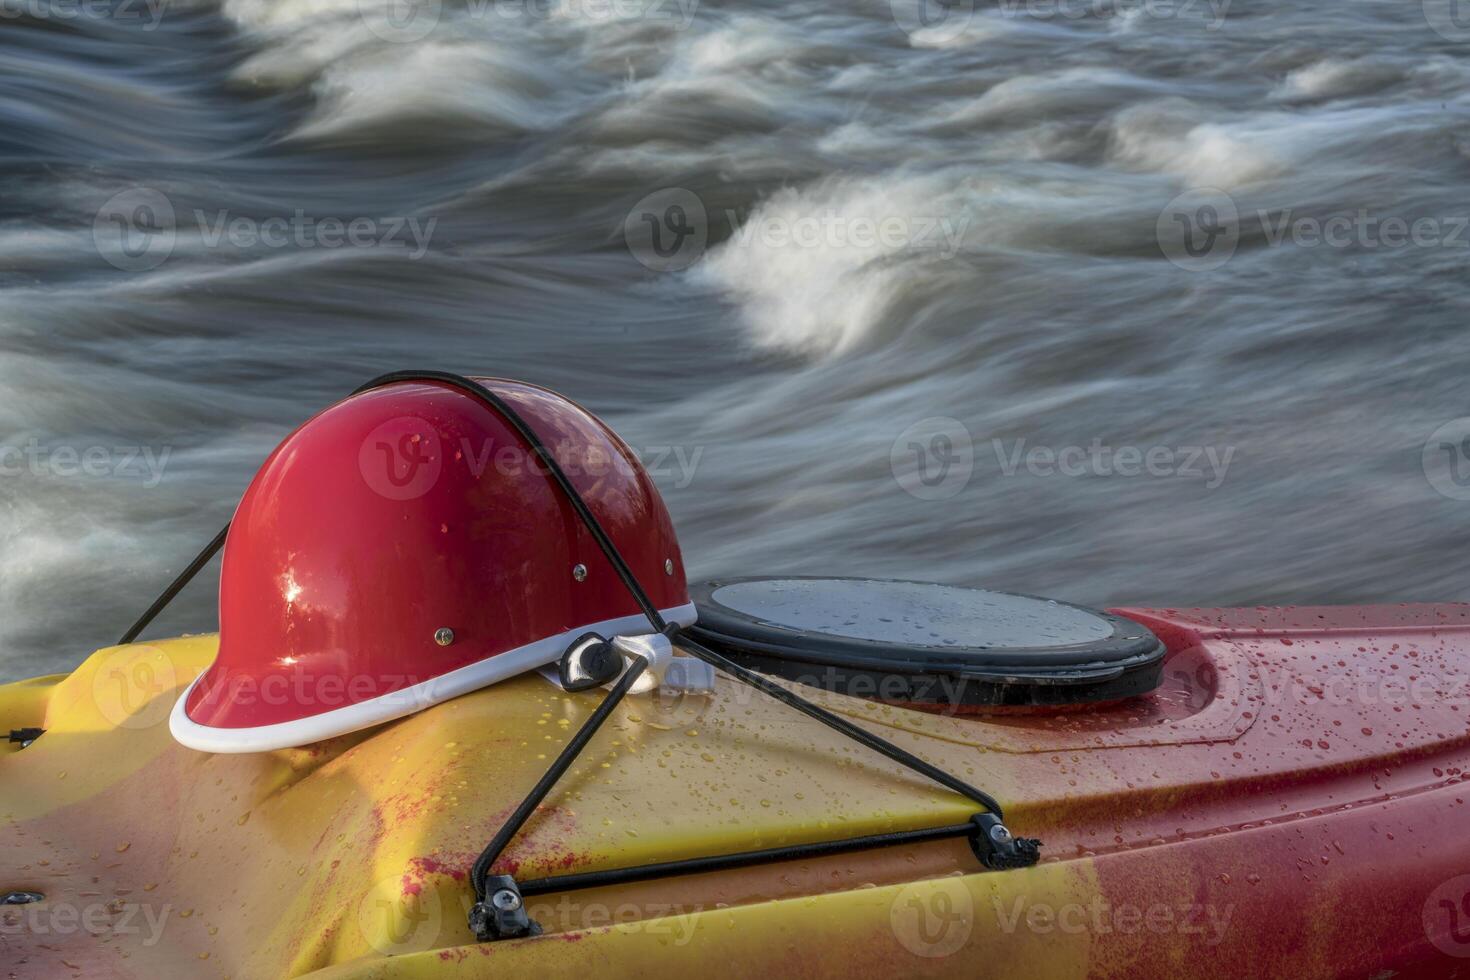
[499, 911]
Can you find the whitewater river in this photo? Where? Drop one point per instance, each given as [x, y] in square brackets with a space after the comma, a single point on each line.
[1119, 301]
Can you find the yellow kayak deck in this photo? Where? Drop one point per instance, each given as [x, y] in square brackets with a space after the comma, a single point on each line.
[349, 858]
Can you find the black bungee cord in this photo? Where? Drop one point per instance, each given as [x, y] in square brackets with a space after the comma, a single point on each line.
[499, 911]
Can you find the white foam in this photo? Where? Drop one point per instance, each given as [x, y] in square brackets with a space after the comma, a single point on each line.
[1167, 139]
[745, 43]
[262, 15]
[1129, 21]
[1334, 78]
[732, 77]
[491, 86]
[1037, 96]
[808, 277]
[977, 31]
[482, 67]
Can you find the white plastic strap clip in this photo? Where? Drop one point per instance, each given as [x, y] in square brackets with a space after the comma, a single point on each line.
[664, 669]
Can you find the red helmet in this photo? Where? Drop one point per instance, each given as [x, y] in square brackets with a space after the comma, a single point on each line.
[405, 547]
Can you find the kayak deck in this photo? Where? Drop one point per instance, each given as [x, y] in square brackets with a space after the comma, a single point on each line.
[1291, 800]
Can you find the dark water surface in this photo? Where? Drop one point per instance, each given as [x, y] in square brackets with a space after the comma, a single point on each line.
[870, 296]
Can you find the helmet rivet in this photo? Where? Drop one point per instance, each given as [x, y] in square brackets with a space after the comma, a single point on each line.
[444, 636]
[506, 900]
[579, 572]
[668, 566]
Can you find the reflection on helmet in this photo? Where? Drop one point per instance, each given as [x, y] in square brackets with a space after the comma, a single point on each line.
[404, 547]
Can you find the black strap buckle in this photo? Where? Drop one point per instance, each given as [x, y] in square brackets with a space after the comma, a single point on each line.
[502, 914]
[25, 736]
[589, 662]
[993, 844]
